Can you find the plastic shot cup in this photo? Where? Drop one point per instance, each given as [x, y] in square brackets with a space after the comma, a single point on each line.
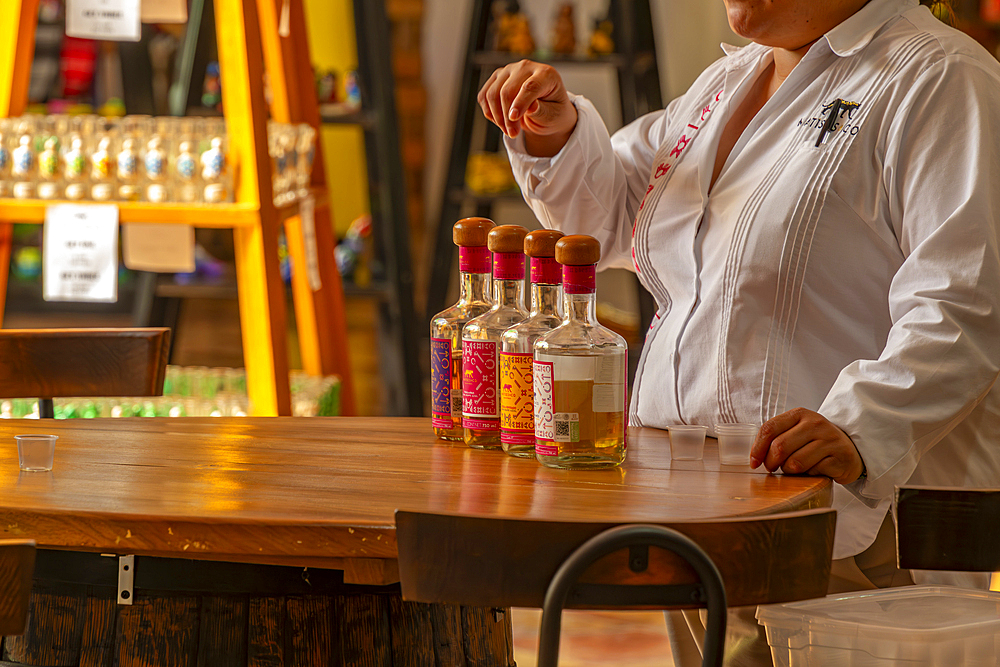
[35, 452]
[687, 443]
[734, 443]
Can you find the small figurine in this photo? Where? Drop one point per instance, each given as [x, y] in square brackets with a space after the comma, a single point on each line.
[521, 42]
[128, 171]
[213, 166]
[74, 164]
[602, 40]
[100, 170]
[48, 169]
[155, 163]
[564, 32]
[353, 90]
[327, 88]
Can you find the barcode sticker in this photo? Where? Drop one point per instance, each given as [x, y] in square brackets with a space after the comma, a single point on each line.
[567, 427]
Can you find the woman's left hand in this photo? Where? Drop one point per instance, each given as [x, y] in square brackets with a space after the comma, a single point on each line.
[803, 441]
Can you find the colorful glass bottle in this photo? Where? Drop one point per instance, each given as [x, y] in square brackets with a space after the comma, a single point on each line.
[101, 179]
[213, 172]
[517, 413]
[22, 165]
[481, 339]
[48, 169]
[186, 167]
[4, 158]
[75, 169]
[580, 373]
[127, 163]
[155, 162]
[470, 235]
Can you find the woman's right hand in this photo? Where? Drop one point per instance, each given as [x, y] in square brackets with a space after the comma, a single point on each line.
[530, 96]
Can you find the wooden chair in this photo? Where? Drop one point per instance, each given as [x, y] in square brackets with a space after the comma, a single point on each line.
[17, 564]
[497, 562]
[62, 363]
[948, 529]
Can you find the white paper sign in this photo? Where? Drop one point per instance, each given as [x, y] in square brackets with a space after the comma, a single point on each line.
[307, 213]
[80, 253]
[159, 247]
[115, 20]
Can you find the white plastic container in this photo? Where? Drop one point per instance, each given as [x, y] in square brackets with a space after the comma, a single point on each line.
[913, 626]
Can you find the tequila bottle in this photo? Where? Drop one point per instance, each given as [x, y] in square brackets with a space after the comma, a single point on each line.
[186, 167]
[155, 162]
[4, 158]
[48, 169]
[213, 172]
[580, 373]
[517, 405]
[446, 327]
[22, 165]
[481, 339]
[101, 179]
[74, 169]
[127, 163]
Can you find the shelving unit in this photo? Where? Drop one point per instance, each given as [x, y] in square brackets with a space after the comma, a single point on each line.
[247, 40]
[639, 93]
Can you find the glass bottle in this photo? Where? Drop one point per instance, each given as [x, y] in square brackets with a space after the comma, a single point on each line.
[48, 169]
[213, 172]
[517, 405]
[580, 373]
[470, 235]
[22, 165]
[4, 158]
[101, 186]
[155, 162]
[127, 163]
[481, 339]
[186, 167]
[74, 168]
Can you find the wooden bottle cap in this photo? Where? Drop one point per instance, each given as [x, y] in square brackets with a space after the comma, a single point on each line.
[507, 238]
[541, 243]
[578, 250]
[472, 232]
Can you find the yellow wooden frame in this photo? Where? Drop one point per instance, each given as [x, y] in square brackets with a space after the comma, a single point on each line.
[247, 39]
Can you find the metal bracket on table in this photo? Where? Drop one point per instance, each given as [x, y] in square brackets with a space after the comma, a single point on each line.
[126, 575]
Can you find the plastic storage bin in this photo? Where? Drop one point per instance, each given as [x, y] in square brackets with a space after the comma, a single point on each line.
[913, 626]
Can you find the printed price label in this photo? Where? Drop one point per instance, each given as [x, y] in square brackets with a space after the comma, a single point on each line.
[114, 20]
[80, 253]
[517, 405]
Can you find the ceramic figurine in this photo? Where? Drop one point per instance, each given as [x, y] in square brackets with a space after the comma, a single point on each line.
[564, 32]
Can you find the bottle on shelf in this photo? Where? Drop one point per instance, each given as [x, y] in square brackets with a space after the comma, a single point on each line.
[75, 169]
[101, 179]
[580, 373]
[155, 163]
[48, 169]
[127, 163]
[4, 157]
[214, 172]
[185, 166]
[475, 298]
[517, 414]
[22, 166]
[481, 339]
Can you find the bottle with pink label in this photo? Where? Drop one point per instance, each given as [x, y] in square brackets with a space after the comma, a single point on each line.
[481, 339]
[517, 405]
[475, 298]
[579, 373]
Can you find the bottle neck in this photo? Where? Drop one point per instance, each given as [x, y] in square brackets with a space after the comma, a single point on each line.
[545, 299]
[474, 287]
[581, 308]
[508, 293]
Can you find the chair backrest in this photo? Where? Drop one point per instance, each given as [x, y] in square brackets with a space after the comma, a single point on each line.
[709, 591]
[509, 562]
[17, 564]
[59, 363]
[948, 529]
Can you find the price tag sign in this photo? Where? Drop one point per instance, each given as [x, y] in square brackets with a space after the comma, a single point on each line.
[158, 247]
[80, 253]
[115, 20]
[307, 212]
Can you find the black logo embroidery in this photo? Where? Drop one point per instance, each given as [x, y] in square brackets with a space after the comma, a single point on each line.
[833, 118]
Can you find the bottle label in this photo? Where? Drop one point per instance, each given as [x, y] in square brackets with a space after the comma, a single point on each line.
[545, 271]
[508, 266]
[517, 405]
[544, 409]
[441, 383]
[579, 279]
[480, 402]
[474, 259]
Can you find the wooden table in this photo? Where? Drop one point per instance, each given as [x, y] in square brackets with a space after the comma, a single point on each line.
[304, 493]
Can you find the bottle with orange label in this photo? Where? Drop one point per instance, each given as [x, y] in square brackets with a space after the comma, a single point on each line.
[481, 339]
[517, 420]
[475, 298]
[579, 373]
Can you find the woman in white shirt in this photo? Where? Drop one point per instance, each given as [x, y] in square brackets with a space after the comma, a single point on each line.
[817, 219]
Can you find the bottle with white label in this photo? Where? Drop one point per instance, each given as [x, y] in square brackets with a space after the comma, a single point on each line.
[75, 168]
[481, 339]
[22, 164]
[580, 373]
[475, 298]
[517, 404]
[214, 172]
[102, 185]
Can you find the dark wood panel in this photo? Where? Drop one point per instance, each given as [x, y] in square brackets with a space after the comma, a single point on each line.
[157, 631]
[266, 632]
[365, 636]
[443, 558]
[52, 634]
[222, 639]
[412, 633]
[17, 563]
[948, 528]
[488, 637]
[48, 363]
[97, 645]
[310, 624]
